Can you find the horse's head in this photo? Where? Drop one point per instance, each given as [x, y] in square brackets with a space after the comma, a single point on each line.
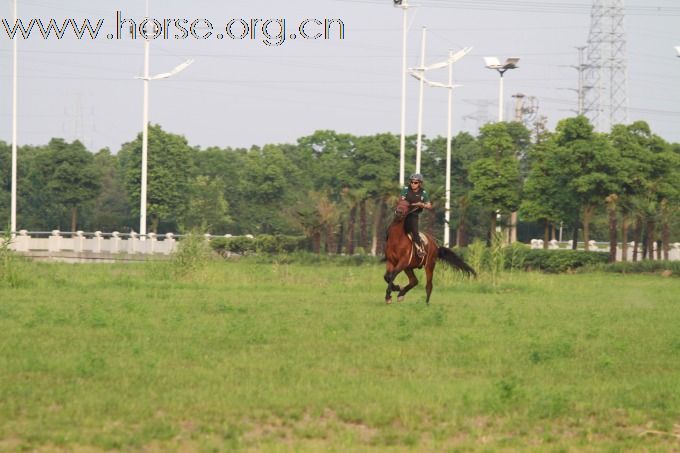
[402, 209]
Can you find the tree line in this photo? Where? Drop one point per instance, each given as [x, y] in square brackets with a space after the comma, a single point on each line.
[338, 189]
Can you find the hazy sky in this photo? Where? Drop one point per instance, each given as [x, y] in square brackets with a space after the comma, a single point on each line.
[243, 92]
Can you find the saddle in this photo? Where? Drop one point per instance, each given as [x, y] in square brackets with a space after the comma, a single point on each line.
[424, 242]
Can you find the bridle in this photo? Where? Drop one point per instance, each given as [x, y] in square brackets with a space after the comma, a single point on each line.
[401, 216]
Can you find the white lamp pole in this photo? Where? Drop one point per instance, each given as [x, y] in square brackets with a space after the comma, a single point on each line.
[419, 143]
[493, 63]
[402, 141]
[145, 131]
[419, 73]
[449, 131]
[13, 215]
[500, 99]
[145, 135]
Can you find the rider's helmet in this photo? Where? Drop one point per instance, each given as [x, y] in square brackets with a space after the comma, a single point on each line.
[416, 177]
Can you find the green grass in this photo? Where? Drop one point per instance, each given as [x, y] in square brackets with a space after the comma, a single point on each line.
[246, 355]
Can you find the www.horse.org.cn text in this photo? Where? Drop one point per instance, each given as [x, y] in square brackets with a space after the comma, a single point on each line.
[271, 32]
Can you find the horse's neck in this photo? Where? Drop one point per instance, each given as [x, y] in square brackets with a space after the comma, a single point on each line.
[397, 229]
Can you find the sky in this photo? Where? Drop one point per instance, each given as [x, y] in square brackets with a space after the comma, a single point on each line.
[242, 92]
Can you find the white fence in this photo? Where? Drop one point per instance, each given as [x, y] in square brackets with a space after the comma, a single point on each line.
[97, 242]
[674, 252]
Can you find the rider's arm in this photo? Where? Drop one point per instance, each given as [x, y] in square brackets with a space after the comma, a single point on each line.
[426, 203]
[404, 192]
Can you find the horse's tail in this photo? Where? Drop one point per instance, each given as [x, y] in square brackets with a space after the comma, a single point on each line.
[455, 261]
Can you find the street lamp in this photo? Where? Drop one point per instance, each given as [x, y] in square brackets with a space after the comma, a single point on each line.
[677, 50]
[419, 141]
[402, 141]
[493, 63]
[453, 57]
[145, 131]
[13, 214]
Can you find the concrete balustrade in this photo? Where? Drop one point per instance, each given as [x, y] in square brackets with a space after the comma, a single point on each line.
[99, 246]
[673, 253]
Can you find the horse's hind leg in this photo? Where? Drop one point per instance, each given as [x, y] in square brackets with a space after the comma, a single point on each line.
[412, 281]
[429, 272]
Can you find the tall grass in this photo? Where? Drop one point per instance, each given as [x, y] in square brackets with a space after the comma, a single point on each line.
[10, 263]
[192, 255]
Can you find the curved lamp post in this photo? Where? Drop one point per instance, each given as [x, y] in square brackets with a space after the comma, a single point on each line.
[493, 63]
[419, 73]
[402, 141]
[145, 131]
[13, 209]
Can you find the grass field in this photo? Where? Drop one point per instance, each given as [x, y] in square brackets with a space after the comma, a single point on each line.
[241, 355]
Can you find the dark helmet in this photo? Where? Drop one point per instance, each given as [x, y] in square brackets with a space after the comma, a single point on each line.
[416, 177]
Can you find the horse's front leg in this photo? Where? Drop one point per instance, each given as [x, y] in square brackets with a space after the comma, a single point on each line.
[394, 287]
[389, 278]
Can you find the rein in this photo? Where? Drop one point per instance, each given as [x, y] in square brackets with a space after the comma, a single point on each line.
[408, 213]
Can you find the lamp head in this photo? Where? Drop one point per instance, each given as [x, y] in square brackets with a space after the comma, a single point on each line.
[511, 63]
[492, 63]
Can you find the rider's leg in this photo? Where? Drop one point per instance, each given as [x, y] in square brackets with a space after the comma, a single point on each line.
[413, 229]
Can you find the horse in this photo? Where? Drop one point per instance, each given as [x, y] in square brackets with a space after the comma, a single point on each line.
[400, 256]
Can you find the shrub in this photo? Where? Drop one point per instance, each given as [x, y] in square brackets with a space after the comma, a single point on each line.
[238, 244]
[313, 259]
[243, 245]
[280, 244]
[641, 267]
[193, 253]
[521, 257]
[555, 261]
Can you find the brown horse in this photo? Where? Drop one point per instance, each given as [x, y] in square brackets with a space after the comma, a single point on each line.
[401, 256]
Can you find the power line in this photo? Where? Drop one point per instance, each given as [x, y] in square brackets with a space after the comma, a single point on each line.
[531, 6]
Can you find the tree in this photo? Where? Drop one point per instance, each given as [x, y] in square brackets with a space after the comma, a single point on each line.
[377, 172]
[60, 178]
[207, 209]
[495, 176]
[271, 183]
[591, 163]
[545, 199]
[651, 184]
[112, 210]
[168, 175]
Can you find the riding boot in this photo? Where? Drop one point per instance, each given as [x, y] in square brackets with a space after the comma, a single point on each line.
[420, 249]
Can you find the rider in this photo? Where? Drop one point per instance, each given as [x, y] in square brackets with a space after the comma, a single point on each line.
[420, 199]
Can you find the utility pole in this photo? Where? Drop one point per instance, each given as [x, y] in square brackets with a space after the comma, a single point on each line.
[519, 105]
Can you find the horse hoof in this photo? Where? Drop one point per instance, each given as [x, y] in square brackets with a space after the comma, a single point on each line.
[388, 301]
[400, 299]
